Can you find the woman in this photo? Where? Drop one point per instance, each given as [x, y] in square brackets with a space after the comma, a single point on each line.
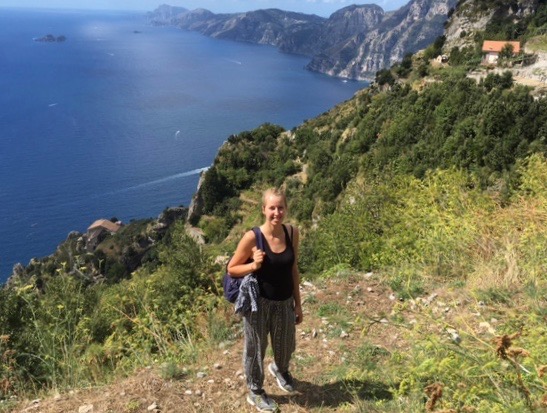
[279, 306]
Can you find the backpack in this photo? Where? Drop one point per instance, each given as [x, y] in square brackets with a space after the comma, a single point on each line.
[231, 284]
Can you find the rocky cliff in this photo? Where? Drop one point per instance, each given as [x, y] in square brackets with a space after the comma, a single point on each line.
[473, 16]
[353, 42]
[408, 29]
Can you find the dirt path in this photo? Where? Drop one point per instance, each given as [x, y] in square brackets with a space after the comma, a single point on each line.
[338, 316]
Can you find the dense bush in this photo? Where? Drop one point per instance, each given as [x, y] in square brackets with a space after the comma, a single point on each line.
[444, 225]
[247, 158]
[69, 333]
[482, 127]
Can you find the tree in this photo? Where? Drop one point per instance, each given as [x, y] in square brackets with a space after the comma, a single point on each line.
[384, 76]
[507, 51]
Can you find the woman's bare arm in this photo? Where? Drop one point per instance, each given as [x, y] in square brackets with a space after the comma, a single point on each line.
[238, 266]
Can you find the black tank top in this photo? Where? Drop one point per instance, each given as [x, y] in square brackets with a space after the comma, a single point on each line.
[275, 276]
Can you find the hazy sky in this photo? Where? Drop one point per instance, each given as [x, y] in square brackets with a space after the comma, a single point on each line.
[320, 7]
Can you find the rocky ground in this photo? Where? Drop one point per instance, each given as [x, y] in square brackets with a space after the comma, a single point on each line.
[534, 75]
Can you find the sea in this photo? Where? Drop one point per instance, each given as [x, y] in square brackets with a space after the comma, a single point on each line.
[121, 118]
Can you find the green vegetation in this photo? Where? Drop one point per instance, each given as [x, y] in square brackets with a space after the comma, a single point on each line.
[440, 186]
[69, 334]
[538, 43]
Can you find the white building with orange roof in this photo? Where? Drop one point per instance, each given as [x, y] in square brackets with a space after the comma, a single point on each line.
[493, 48]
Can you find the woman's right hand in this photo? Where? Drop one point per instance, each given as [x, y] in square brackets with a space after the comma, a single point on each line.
[258, 257]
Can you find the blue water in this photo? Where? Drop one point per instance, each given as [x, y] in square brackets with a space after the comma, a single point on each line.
[117, 123]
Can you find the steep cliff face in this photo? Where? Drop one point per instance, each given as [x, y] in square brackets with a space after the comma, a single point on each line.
[353, 42]
[472, 16]
[408, 29]
[349, 22]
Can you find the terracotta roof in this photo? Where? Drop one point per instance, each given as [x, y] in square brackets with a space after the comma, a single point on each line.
[106, 224]
[496, 46]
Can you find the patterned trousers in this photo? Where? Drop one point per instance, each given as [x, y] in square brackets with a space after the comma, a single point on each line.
[275, 318]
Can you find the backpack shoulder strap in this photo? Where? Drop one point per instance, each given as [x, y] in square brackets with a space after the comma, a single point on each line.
[287, 233]
[259, 240]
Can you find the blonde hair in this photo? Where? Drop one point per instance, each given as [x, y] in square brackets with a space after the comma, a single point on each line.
[275, 192]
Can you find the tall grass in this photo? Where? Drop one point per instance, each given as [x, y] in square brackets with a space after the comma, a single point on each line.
[442, 227]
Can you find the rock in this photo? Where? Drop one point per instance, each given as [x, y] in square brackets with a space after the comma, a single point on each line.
[343, 334]
[454, 335]
[86, 408]
[170, 215]
[431, 298]
[49, 38]
[217, 366]
[201, 374]
[152, 407]
[188, 392]
[486, 327]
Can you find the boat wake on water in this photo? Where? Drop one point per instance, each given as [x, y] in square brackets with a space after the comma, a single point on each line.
[162, 180]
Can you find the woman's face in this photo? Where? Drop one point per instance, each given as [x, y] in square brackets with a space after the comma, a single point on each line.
[274, 209]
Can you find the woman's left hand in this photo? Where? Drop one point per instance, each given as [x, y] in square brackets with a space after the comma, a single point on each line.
[298, 314]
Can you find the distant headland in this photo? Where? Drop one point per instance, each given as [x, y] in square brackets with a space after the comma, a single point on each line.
[50, 38]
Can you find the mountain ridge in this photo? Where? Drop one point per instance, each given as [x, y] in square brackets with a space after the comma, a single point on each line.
[354, 42]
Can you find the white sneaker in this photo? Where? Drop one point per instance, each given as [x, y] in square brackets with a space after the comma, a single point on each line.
[284, 380]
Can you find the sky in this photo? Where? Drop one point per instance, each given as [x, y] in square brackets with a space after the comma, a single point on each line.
[320, 7]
